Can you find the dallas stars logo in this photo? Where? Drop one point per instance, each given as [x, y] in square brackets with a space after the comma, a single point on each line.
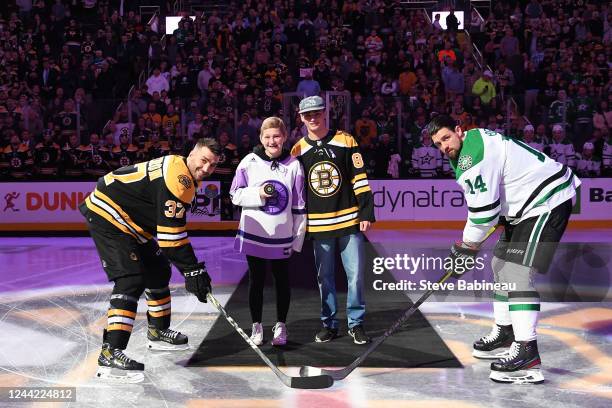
[465, 162]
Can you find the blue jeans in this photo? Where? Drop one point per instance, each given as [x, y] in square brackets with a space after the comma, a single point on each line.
[351, 252]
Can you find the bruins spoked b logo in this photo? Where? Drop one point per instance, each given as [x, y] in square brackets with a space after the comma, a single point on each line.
[324, 179]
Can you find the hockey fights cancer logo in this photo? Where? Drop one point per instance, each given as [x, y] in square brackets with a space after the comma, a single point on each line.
[324, 179]
[279, 201]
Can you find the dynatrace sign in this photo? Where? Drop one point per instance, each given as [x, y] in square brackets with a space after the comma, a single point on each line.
[443, 200]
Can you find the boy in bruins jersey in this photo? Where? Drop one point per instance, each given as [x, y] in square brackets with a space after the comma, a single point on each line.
[505, 180]
[340, 208]
[128, 209]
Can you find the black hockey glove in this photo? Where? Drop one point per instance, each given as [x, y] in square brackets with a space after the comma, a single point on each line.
[197, 281]
[462, 258]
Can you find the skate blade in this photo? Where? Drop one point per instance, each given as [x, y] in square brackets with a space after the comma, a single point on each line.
[163, 346]
[531, 376]
[279, 343]
[491, 355]
[116, 375]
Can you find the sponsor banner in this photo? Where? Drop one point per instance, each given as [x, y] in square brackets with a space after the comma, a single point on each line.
[394, 200]
[443, 200]
[57, 203]
[50, 202]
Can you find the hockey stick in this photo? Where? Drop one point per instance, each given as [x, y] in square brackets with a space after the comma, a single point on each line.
[310, 382]
[307, 371]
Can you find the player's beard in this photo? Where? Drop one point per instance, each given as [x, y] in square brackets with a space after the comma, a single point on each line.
[453, 154]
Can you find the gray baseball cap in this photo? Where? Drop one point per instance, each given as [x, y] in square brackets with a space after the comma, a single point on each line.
[311, 103]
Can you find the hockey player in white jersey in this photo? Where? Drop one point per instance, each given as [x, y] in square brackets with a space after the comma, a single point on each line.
[561, 148]
[588, 165]
[269, 186]
[506, 181]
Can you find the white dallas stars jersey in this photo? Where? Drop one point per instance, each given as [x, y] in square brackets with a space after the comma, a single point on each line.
[501, 176]
[588, 167]
[269, 228]
[427, 160]
[563, 152]
[338, 196]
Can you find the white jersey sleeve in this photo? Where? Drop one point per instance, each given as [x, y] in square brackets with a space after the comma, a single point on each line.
[242, 194]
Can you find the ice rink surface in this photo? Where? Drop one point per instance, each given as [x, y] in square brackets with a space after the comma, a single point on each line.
[54, 296]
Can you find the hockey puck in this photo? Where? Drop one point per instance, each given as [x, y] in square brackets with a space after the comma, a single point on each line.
[269, 189]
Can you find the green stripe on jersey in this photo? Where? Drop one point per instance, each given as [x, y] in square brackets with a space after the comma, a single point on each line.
[528, 306]
[472, 152]
[484, 220]
[555, 190]
[500, 298]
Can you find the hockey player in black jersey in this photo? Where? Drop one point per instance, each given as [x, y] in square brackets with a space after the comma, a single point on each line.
[137, 218]
[340, 208]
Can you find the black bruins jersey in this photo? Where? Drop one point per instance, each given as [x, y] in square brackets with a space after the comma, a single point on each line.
[47, 157]
[338, 194]
[148, 200]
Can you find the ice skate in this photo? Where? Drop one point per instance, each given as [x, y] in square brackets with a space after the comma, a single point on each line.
[166, 340]
[522, 366]
[115, 366]
[494, 345]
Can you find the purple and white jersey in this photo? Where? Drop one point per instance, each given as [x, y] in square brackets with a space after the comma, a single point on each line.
[274, 227]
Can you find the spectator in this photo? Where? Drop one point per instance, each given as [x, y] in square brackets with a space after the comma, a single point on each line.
[454, 81]
[561, 110]
[156, 82]
[607, 157]
[308, 86]
[244, 128]
[374, 45]
[436, 23]
[452, 23]
[602, 119]
[484, 87]
[584, 109]
[530, 138]
[426, 158]
[561, 148]
[509, 45]
[588, 165]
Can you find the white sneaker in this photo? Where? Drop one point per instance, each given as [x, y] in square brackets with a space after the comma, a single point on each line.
[257, 334]
[280, 334]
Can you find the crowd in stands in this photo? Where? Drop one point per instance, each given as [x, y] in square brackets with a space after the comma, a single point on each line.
[544, 78]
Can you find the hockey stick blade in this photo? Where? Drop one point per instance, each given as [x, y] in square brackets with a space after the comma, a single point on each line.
[342, 373]
[314, 382]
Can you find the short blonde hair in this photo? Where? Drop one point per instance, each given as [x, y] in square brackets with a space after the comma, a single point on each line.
[273, 122]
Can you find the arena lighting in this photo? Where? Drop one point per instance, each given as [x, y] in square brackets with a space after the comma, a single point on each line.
[443, 14]
[172, 23]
